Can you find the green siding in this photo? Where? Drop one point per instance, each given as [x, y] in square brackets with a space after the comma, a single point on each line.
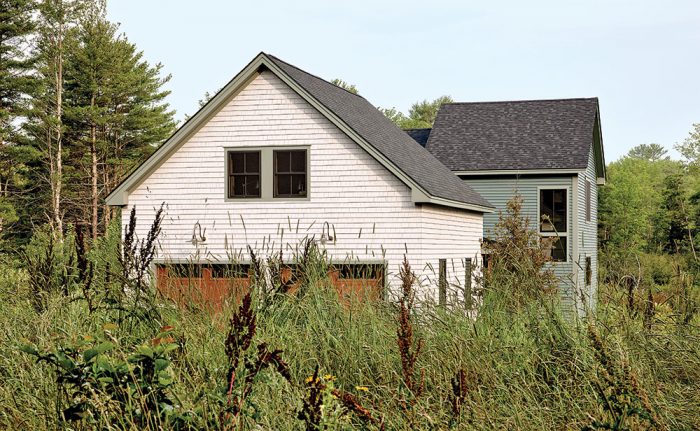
[499, 190]
[588, 233]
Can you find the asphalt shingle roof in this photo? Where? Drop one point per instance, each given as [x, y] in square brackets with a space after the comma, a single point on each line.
[517, 135]
[380, 132]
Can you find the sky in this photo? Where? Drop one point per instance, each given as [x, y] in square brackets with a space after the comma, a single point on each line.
[641, 58]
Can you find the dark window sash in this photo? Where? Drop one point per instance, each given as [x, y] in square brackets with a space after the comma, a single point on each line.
[244, 174]
[290, 174]
[553, 215]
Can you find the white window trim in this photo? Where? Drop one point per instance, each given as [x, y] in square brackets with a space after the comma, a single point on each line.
[568, 219]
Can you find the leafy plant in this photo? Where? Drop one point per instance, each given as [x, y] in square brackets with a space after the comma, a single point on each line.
[519, 259]
[101, 382]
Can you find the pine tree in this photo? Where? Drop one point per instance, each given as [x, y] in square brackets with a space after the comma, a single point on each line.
[89, 70]
[16, 25]
[115, 116]
[56, 19]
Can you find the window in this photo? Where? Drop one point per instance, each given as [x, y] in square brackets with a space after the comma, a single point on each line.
[290, 173]
[360, 271]
[244, 174]
[589, 270]
[588, 200]
[267, 173]
[559, 249]
[442, 282]
[229, 271]
[553, 210]
[553, 220]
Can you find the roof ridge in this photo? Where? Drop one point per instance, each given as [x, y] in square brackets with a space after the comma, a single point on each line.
[494, 102]
[311, 74]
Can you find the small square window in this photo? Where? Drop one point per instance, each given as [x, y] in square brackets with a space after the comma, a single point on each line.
[291, 174]
[243, 174]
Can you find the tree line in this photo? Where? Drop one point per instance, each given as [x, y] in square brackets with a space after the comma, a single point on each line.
[79, 108]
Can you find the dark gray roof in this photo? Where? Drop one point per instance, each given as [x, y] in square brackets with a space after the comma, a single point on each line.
[518, 135]
[380, 132]
[419, 135]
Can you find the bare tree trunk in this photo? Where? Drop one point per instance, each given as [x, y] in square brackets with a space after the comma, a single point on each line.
[106, 210]
[93, 193]
[57, 177]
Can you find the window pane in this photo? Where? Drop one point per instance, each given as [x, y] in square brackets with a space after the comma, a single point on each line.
[553, 211]
[559, 219]
[231, 186]
[252, 185]
[284, 185]
[282, 161]
[546, 211]
[252, 163]
[298, 161]
[237, 163]
[559, 250]
[238, 185]
[299, 185]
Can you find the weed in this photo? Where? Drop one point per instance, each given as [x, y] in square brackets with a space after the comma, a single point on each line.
[409, 349]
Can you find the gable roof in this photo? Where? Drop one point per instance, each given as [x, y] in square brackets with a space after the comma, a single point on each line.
[430, 181]
[518, 135]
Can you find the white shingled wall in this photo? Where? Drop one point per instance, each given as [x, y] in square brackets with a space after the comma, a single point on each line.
[369, 210]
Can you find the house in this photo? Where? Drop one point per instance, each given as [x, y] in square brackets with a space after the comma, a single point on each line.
[279, 156]
[548, 151]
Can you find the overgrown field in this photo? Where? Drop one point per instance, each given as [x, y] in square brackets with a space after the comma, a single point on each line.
[304, 361]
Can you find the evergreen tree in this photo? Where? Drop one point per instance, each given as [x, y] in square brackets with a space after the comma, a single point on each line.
[116, 114]
[56, 19]
[16, 26]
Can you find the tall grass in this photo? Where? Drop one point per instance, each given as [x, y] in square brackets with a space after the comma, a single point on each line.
[308, 361]
[519, 370]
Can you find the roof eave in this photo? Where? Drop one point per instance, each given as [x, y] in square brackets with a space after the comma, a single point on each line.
[419, 197]
[495, 172]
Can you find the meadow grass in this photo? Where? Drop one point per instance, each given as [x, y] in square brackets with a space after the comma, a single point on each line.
[525, 369]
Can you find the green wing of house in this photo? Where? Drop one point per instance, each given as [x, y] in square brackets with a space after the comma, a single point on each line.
[548, 151]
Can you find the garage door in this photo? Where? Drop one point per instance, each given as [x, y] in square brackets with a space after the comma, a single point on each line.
[210, 286]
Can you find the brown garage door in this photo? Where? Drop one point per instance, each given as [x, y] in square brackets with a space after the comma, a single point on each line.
[218, 285]
[363, 282]
[210, 286]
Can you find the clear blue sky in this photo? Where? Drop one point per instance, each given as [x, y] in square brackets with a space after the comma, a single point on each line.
[640, 57]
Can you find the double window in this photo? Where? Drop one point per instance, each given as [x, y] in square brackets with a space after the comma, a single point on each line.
[553, 220]
[267, 173]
